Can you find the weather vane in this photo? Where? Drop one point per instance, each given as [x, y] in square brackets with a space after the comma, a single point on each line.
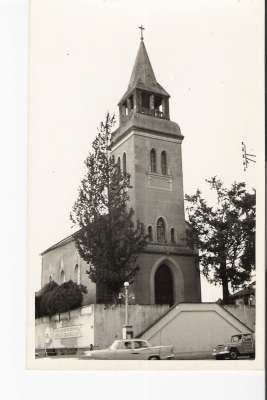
[141, 29]
[246, 157]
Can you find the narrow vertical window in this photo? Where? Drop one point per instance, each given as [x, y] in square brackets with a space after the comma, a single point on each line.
[76, 274]
[150, 234]
[153, 162]
[160, 230]
[119, 163]
[164, 163]
[124, 169]
[172, 235]
[62, 276]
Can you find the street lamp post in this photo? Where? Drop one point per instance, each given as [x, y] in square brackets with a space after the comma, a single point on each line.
[126, 285]
[127, 330]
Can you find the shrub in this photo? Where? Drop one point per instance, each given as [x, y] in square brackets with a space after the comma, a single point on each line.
[56, 299]
[41, 298]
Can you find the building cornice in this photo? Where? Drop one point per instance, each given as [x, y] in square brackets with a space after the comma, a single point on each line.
[168, 249]
[159, 134]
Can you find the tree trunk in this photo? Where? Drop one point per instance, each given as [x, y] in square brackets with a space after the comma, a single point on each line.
[226, 299]
[225, 288]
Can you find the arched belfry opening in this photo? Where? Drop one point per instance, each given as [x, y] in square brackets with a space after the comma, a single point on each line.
[164, 285]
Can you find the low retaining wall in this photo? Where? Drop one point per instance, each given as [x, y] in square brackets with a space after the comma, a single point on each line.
[96, 325]
[244, 313]
[72, 330]
[195, 329]
[110, 319]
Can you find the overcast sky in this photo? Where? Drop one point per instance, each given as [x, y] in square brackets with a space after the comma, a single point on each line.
[207, 54]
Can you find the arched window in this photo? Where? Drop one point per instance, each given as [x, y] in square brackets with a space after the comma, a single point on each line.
[164, 163]
[161, 230]
[76, 274]
[150, 233]
[124, 169]
[119, 163]
[153, 161]
[172, 235]
[62, 276]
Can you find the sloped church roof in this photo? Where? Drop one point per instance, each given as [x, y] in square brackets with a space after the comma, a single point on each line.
[143, 76]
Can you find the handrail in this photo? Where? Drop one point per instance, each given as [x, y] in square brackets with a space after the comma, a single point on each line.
[153, 112]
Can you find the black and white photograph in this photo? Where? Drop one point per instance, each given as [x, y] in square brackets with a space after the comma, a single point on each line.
[145, 181]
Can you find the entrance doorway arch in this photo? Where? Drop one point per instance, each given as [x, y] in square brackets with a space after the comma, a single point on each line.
[164, 285]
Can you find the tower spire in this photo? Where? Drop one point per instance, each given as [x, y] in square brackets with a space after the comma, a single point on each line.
[144, 94]
[143, 76]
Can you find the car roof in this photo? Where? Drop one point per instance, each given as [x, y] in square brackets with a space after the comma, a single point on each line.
[243, 334]
[131, 340]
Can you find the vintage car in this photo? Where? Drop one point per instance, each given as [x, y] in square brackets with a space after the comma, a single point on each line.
[240, 345]
[131, 349]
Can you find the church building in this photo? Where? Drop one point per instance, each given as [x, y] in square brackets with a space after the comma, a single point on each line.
[147, 144]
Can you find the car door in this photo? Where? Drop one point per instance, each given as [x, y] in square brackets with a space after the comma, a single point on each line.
[140, 350]
[124, 350]
[247, 345]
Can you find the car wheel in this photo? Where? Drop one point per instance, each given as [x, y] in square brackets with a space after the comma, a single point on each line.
[233, 354]
[154, 358]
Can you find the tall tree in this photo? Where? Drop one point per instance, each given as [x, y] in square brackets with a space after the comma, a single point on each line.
[108, 239]
[224, 234]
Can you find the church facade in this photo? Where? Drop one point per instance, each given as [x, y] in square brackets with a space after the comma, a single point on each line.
[147, 144]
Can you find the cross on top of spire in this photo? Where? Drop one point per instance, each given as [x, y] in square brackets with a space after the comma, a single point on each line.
[141, 29]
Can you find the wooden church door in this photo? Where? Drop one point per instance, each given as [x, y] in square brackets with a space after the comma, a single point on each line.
[164, 285]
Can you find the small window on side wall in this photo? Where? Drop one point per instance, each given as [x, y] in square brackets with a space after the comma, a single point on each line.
[119, 163]
[161, 230]
[153, 161]
[124, 167]
[164, 163]
[150, 233]
[172, 235]
[62, 276]
[76, 274]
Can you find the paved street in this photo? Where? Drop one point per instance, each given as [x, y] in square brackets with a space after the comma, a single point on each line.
[180, 357]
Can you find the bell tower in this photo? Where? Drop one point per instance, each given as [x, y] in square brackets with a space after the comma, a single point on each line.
[148, 145]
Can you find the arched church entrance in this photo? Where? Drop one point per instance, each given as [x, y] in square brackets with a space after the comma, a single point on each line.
[164, 285]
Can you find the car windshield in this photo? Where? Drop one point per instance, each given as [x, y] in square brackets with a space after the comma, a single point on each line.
[140, 344]
[115, 345]
[236, 338]
[121, 345]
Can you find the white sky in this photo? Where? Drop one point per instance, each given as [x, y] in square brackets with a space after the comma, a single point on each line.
[207, 54]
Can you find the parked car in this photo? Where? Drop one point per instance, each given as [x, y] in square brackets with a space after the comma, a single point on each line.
[131, 349]
[240, 345]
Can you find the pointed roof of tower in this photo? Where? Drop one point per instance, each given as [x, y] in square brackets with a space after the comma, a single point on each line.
[143, 76]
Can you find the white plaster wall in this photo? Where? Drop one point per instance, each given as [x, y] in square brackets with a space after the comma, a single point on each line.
[66, 257]
[243, 312]
[194, 328]
[96, 324]
[80, 320]
[109, 320]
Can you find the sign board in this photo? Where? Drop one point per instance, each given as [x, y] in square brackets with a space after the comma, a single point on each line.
[67, 332]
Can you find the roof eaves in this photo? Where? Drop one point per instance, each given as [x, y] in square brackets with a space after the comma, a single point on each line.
[59, 244]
